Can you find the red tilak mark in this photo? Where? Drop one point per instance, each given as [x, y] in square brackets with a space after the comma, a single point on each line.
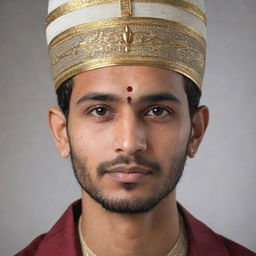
[129, 100]
[129, 89]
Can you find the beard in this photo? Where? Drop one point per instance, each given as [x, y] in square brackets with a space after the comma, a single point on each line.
[131, 205]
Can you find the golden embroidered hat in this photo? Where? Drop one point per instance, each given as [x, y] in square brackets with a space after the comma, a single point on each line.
[89, 34]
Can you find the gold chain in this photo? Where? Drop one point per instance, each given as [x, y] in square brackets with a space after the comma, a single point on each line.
[179, 249]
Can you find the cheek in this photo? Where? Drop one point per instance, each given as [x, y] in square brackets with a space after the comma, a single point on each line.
[170, 138]
[90, 141]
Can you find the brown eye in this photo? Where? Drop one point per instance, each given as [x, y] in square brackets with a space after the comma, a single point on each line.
[100, 111]
[158, 112]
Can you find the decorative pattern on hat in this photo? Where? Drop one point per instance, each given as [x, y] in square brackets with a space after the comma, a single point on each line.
[87, 34]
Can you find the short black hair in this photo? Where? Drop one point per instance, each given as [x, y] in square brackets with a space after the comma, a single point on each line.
[64, 94]
[193, 95]
[65, 90]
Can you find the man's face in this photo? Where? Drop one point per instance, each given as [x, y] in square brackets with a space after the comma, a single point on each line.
[128, 129]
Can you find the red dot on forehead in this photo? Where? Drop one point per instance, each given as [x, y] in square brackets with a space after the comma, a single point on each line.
[129, 89]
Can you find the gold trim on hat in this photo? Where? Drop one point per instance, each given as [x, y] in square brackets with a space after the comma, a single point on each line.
[126, 8]
[151, 62]
[123, 22]
[79, 4]
[128, 41]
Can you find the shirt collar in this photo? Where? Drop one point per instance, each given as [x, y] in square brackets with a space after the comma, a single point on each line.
[63, 238]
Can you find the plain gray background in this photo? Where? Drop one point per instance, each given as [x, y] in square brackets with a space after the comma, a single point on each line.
[36, 185]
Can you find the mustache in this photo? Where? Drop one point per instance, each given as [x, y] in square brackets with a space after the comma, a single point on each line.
[122, 159]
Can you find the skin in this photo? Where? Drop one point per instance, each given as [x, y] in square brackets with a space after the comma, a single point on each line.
[129, 129]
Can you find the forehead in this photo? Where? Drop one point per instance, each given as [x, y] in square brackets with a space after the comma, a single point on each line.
[116, 80]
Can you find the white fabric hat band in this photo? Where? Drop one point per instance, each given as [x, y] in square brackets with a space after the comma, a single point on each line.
[108, 11]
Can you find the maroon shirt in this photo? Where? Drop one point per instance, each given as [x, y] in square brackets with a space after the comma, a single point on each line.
[63, 240]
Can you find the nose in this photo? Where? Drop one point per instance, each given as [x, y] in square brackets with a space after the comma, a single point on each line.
[129, 135]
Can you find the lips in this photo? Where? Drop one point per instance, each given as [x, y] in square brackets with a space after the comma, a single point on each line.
[129, 175]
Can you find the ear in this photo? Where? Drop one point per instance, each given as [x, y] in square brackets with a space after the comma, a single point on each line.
[200, 121]
[58, 126]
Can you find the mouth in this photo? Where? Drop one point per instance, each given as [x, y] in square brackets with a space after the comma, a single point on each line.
[128, 175]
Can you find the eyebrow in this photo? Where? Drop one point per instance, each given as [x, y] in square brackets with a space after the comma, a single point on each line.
[164, 96]
[99, 97]
[159, 97]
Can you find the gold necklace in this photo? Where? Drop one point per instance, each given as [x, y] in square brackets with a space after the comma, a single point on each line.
[180, 247]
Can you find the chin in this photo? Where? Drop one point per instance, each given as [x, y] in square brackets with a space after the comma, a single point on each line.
[130, 200]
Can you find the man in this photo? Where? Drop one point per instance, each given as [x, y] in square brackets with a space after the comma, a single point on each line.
[128, 77]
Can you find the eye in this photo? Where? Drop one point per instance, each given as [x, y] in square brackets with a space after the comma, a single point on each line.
[99, 111]
[159, 112]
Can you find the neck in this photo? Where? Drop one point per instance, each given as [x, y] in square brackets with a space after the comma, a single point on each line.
[151, 233]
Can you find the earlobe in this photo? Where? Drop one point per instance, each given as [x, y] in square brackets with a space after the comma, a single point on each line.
[199, 123]
[58, 126]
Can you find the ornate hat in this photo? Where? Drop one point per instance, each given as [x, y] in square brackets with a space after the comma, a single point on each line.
[89, 34]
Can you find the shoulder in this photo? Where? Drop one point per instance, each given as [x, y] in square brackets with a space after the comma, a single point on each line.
[32, 248]
[61, 239]
[236, 249]
[204, 241]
